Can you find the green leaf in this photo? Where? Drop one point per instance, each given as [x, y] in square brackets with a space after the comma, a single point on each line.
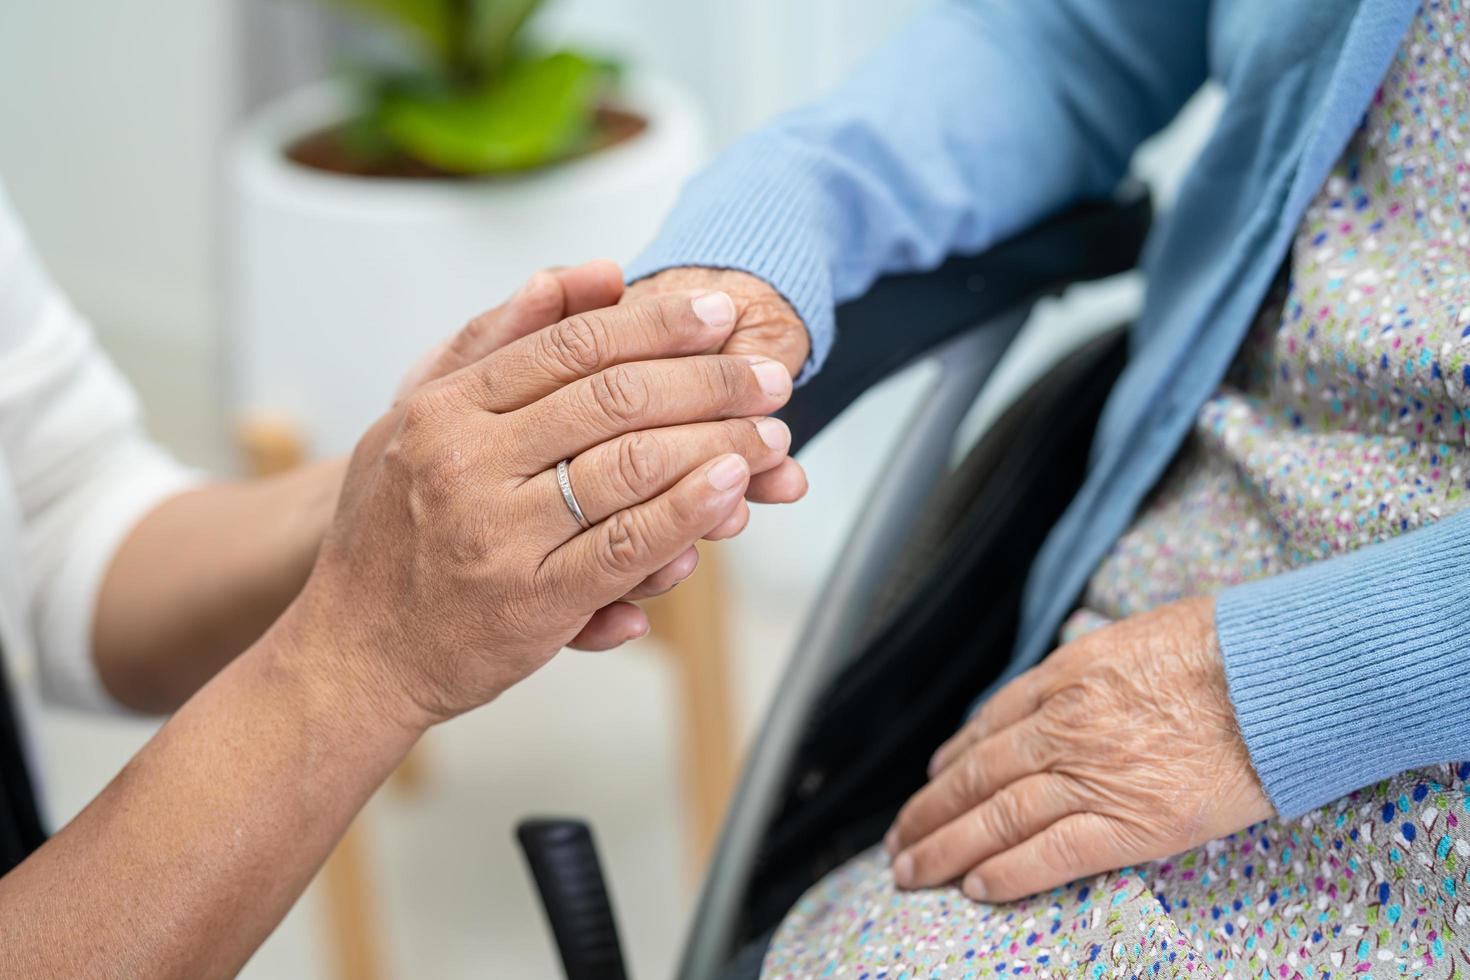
[433, 24]
[493, 27]
[535, 112]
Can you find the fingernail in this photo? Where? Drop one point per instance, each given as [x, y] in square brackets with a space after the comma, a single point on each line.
[727, 472]
[771, 375]
[903, 871]
[890, 841]
[933, 765]
[974, 888]
[715, 309]
[639, 631]
[774, 434]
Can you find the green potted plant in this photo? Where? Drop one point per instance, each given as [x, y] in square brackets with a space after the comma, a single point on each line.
[469, 96]
[380, 209]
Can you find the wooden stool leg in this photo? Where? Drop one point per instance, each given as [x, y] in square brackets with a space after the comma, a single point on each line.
[691, 622]
[352, 909]
[270, 444]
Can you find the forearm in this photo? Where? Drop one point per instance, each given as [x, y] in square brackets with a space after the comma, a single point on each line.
[202, 577]
[1029, 106]
[195, 851]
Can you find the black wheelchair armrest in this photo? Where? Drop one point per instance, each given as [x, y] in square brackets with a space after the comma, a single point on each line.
[903, 317]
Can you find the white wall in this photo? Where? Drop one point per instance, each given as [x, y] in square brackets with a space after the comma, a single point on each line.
[110, 118]
[113, 114]
[746, 60]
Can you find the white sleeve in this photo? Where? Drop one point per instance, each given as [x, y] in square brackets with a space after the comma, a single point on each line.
[83, 469]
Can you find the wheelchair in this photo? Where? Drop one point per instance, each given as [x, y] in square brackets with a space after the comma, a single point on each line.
[921, 614]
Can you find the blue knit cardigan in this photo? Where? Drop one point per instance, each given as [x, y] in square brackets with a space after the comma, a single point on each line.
[981, 117]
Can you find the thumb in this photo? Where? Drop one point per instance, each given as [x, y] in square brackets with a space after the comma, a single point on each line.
[781, 341]
[548, 296]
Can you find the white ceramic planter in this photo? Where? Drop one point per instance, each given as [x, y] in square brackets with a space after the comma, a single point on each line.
[334, 284]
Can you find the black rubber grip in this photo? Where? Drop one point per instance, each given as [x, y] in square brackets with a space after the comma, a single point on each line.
[564, 864]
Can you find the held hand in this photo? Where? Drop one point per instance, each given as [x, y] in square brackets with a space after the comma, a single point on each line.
[765, 325]
[1120, 747]
[547, 297]
[454, 567]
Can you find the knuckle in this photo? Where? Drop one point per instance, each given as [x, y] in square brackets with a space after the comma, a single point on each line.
[474, 542]
[969, 784]
[1004, 817]
[1029, 749]
[621, 394]
[728, 378]
[486, 388]
[577, 345]
[474, 335]
[422, 412]
[443, 472]
[741, 436]
[626, 543]
[641, 463]
[1069, 705]
[685, 513]
[647, 318]
[1068, 848]
[439, 472]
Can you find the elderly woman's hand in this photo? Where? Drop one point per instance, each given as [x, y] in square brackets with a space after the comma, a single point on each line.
[1120, 747]
[765, 326]
[455, 566]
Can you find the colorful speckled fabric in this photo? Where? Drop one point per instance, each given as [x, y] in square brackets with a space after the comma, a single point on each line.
[1343, 422]
[1369, 886]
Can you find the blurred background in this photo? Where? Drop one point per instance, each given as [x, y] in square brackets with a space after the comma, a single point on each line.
[143, 145]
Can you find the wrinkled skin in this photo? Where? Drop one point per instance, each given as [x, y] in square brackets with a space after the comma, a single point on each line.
[452, 546]
[1120, 747]
[549, 296]
[765, 326]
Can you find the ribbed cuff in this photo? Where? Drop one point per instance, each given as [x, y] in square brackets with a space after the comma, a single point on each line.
[1355, 668]
[759, 210]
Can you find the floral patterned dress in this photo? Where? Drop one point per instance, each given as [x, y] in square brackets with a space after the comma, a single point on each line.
[1342, 422]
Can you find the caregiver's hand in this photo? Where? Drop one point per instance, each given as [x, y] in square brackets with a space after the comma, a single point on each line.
[1118, 748]
[454, 567]
[547, 297]
[765, 325]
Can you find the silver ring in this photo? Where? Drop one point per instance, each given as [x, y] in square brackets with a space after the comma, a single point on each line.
[564, 480]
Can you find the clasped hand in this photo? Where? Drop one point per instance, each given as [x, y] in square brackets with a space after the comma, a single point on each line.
[454, 567]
